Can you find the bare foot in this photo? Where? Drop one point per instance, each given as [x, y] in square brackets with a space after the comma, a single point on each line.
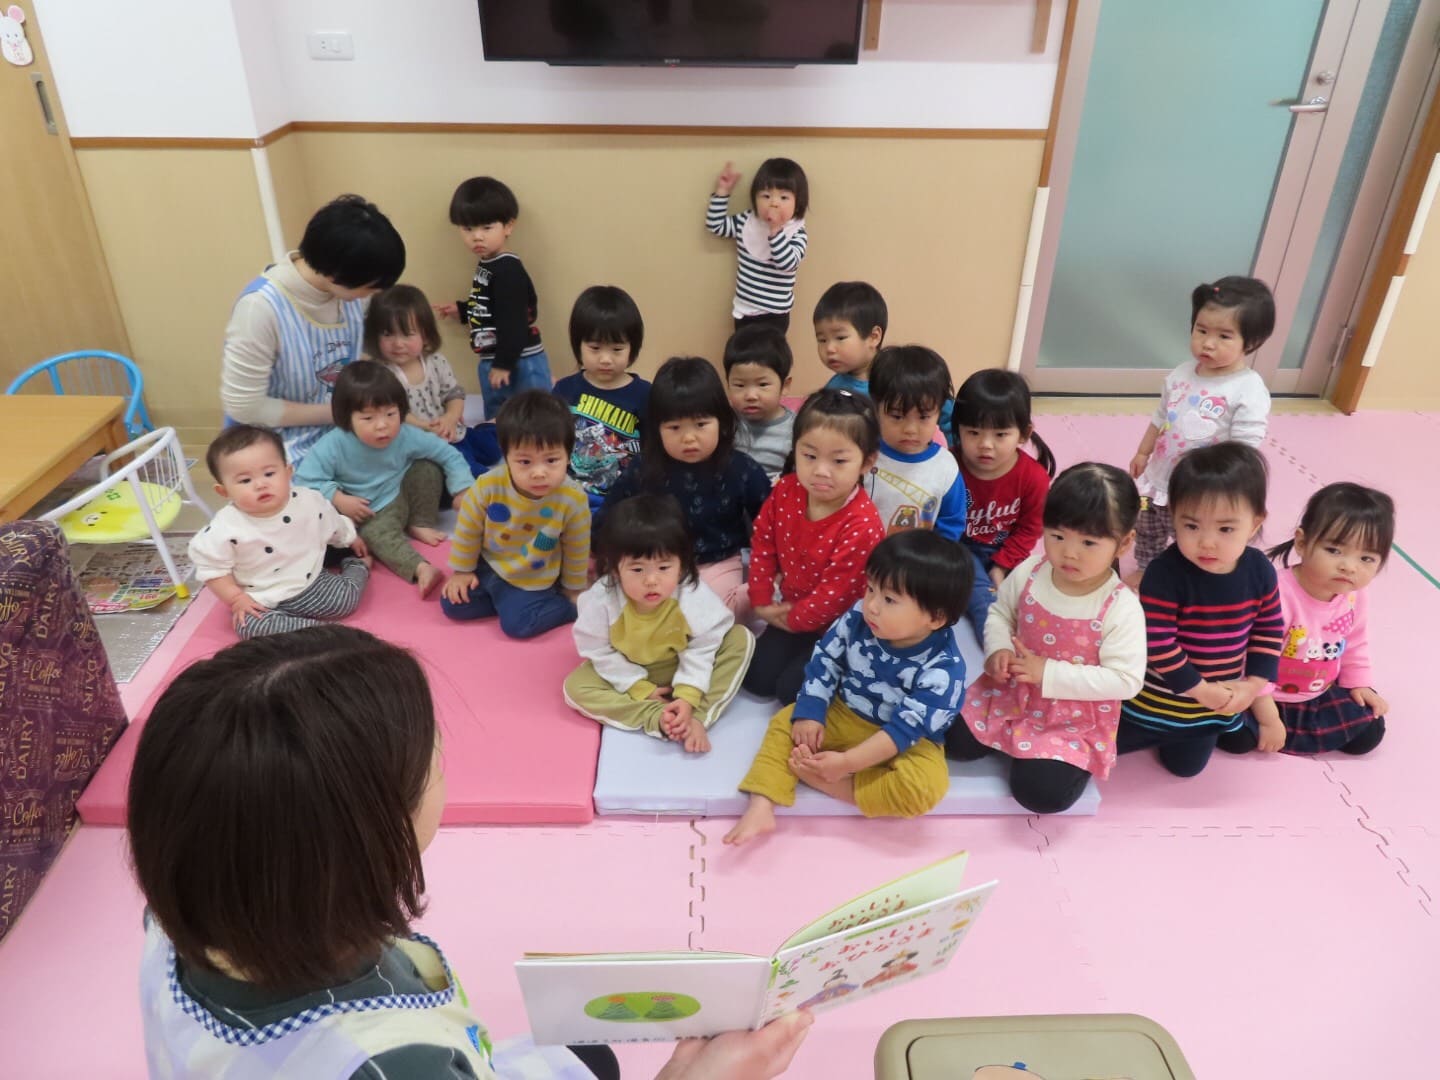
[427, 579]
[425, 534]
[673, 731]
[697, 739]
[758, 819]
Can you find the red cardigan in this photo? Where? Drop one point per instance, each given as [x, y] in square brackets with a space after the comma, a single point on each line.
[821, 563]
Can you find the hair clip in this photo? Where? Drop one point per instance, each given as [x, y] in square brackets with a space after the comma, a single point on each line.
[842, 390]
[1215, 289]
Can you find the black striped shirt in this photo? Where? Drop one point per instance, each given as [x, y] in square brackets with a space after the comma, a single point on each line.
[762, 286]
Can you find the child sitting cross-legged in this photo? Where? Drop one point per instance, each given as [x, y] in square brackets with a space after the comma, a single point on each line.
[385, 474]
[523, 537]
[662, 653]
[881, 688]
[263, 554]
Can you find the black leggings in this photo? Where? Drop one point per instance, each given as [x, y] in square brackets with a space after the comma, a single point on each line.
[600, 1060]
[778, 666]
[779, 322]
[1183, 756]
[1040, 785]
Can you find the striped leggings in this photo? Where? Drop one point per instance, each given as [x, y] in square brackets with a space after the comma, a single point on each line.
[329, 596]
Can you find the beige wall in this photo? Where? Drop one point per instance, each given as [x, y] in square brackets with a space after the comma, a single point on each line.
[1406, 374]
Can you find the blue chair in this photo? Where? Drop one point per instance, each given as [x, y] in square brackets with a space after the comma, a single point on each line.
[94, 371]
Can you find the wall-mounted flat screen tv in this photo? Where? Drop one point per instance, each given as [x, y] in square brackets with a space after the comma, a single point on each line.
[776, 33]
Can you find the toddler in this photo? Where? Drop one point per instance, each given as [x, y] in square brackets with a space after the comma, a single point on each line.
[606, 332]
[400, 332]
[769, 239]
[297, 324]
[1214, 397]
[1322, 698]
[523, 537]
[662, 653]
[687, 450]
[1007, 487]
[850, 322]
[385, 474]
[501, 308]
[880, 690]
[812, 539]
[1212, 612]
[757, 375]
[1064, 645]
[263, 554]
[915, 482]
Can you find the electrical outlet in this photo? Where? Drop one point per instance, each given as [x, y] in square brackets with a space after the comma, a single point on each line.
[331, 45]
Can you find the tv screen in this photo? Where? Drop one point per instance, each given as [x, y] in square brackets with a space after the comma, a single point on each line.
[671, 32]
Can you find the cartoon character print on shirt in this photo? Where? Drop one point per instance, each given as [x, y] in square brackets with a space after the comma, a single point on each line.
[1193, 418]
[1309, 663]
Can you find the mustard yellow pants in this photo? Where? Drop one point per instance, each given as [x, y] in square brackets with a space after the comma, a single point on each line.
[908, 785]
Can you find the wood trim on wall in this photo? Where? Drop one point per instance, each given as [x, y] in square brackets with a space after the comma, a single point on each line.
[1390, 264]
[1066, 38]
[145, 142]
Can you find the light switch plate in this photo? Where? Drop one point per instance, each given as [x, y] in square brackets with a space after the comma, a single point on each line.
[331, 45]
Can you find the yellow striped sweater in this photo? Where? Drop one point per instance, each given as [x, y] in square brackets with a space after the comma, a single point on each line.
[527, 542]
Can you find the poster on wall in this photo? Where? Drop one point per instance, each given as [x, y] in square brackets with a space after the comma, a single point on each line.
[13, 45]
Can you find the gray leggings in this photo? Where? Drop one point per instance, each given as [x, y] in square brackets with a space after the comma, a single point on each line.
[329, 596]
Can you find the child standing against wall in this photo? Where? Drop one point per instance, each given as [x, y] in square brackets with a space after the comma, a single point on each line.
[770, 239]
[501, 308]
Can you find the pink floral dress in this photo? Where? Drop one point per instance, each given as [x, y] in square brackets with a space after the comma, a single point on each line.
[1016, 720]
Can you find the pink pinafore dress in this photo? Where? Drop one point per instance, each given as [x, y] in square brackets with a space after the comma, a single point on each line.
[1016, 720]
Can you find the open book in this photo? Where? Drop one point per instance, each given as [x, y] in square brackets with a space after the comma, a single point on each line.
[905, 929]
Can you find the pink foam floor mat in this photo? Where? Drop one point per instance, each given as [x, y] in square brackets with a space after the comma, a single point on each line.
[497, 700]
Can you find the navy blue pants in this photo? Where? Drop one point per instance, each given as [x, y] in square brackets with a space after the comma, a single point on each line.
[982, 595]
[524, 613]
[1181, 754]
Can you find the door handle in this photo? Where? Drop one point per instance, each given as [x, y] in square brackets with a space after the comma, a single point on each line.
[1317, 104]
[46, 112]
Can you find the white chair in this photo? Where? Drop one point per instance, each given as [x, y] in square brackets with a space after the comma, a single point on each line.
[140, 499]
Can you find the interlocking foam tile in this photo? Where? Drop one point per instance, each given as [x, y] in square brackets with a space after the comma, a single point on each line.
[78, 940]
[1265, 955]
[1022, 956]
[638, 774]
[491, 721]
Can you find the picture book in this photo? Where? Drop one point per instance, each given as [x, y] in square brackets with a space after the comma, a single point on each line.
[901, 931]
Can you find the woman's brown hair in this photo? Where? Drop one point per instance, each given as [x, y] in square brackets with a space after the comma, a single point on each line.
[270, 805]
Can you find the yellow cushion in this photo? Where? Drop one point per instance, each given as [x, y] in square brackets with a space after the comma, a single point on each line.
[114, 517]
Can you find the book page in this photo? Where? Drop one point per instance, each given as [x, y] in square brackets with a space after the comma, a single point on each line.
[921, 887]
[629, 998]
[873, 956]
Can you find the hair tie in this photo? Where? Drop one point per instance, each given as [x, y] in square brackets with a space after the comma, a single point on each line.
[842, 390]
[1215, 289]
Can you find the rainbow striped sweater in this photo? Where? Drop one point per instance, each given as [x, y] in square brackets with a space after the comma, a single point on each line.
[1203, 626]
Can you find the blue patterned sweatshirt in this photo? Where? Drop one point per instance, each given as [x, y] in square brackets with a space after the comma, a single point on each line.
[719, 506]
[912, 694]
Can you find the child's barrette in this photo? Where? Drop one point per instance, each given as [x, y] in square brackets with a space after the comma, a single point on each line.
[847, 393]
[1215, 289]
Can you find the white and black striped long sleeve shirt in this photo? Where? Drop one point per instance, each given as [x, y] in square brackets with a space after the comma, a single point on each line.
[763, 286]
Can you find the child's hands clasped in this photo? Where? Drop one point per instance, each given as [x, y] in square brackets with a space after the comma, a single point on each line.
[777, 615]
[1026, 666]
[457, 589]
[807, 733]
[997, 665]
[829, 766]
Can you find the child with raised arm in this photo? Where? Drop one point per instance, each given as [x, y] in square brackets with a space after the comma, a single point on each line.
[1213, 397]
[770, 239]
[384, 474]
[662, 653]
[523, 537]
[501, 309]
[1323, 698]
[812, 538]
[880, 690]
[607, 401]
[757, 374]
[263, 554]
[400, 332]
[1064, 645]
[297, 324]
[1212, 612]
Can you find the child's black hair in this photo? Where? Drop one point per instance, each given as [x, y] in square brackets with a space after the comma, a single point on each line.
[644, 527]
[1093, 499]
[607, 315]
[1248, 297]
[851, 414]
[239, 437]
[535, 418]
[756, 343]
[998, 399]
[782, 174]
[855, 302]
[1227, 470]
[482, 200]
[934, 572]
[353, 244]
[400, 309]
[685, 387]
[906, 377]
[1345, 513]
[366, 385]
[271, 802]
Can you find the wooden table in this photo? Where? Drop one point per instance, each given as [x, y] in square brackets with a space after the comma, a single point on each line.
[43, 439]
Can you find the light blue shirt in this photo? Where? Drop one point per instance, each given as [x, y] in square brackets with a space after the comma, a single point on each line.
[341, 462]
